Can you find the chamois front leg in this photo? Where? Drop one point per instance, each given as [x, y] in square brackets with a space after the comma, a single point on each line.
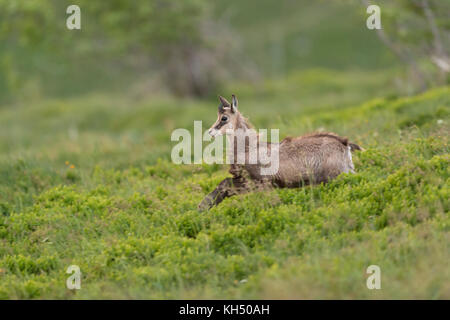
[227, 188]
[217, 195]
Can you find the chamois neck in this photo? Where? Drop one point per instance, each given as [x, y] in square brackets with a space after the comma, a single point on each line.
[243, 123]
[243, 138]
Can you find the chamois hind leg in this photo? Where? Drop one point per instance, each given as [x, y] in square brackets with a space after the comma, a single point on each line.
[227, 188]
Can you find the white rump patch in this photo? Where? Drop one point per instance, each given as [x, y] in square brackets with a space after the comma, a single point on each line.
[350, 159]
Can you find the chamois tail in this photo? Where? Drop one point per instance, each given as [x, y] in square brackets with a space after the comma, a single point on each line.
[354, 147]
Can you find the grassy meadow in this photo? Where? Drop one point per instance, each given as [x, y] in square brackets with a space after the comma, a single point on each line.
[90, 182]
[86, 179]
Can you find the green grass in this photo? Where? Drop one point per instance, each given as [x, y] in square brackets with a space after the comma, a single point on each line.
[127, 216]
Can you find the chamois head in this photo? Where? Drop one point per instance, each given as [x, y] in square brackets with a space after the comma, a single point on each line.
[229, 118]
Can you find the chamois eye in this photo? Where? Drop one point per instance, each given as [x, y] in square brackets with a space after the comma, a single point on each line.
[224, 118]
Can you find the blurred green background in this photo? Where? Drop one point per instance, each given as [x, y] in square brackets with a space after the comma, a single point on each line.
[140, 47]
[197, 48]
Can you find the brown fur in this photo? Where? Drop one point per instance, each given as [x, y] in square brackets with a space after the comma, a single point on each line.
[309, 159]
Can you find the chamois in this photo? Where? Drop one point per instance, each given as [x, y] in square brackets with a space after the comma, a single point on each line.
[309, 159]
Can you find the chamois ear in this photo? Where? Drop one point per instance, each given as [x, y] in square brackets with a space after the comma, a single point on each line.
[223, 103]
[234, 103]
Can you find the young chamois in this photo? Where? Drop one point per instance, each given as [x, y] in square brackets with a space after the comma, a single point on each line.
[309, 159]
